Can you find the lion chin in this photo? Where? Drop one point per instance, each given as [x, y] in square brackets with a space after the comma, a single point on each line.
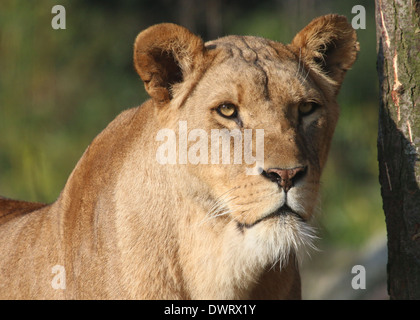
[205, 191]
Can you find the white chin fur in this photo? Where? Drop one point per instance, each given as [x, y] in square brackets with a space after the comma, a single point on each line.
[270, 243]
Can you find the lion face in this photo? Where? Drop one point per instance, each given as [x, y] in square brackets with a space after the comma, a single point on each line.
[255, 119]
[250, 86]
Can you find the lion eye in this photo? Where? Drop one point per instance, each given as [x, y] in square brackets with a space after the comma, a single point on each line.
[307, 108]
[227, 110]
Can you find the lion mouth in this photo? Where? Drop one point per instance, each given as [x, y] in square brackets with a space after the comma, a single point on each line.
[284, 210]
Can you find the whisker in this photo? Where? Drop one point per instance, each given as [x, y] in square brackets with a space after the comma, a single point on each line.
[307, 74]
[298, 70]
[220, 208]
[221, 201]
[217, 200]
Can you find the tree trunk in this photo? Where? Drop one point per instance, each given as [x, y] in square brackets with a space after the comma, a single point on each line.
[398, 46]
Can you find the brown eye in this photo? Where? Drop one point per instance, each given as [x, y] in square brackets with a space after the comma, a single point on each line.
[306, 109]
[227, 110]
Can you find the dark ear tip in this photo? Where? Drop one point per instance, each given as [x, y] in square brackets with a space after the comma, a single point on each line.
[163, 55]
[166, 36]
[335, 19]
[329, 45]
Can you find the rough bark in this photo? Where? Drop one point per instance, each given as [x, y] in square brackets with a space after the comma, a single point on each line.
[398, 46]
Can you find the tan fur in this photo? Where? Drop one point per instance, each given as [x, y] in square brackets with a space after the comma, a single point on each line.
[126, 226]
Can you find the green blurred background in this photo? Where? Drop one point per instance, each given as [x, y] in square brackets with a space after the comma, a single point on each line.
[60, 88]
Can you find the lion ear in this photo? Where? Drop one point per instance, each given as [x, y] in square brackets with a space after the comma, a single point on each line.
[328, 45]
[164, 55]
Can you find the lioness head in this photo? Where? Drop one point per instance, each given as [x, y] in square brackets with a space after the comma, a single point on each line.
[238, 83]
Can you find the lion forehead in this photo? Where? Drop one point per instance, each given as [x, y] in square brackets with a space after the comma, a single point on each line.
[250, 49]
[265, 69]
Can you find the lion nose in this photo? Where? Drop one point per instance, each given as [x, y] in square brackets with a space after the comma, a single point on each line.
[286, 178]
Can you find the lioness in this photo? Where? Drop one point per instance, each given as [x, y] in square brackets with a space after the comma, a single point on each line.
[127, 225]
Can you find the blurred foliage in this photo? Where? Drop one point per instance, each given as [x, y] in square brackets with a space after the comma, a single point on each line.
[60, 88]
